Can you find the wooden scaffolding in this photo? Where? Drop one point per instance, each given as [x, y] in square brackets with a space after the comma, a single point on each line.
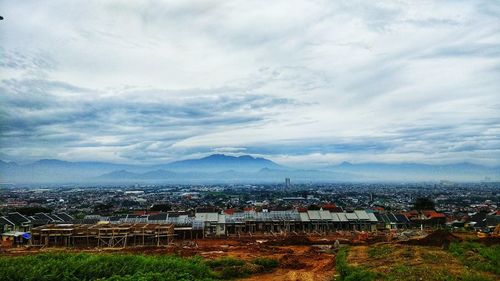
[102, 235]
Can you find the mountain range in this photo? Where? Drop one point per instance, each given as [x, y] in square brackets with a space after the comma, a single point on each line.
[220, 168]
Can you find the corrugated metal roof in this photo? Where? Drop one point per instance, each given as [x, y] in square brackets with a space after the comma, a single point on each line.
[313, 215]
[158, 217]
[392, 218]
[335, 217]
[304, 217]
[17, 218]
[65, 217]
[342, 217]
[362, 215]
[4, 221]
[325, 215]
[372, 217]
[211, 217]
[401, 218]
[351, 216]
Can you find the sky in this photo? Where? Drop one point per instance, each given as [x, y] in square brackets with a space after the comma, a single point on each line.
[303, 83]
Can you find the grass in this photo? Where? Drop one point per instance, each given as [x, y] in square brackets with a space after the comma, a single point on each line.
[433, 257]
[408, 263]
[477, 256]
[126, 267]
[379, 251]
[267, 264]
[402, 272]
[351, 273]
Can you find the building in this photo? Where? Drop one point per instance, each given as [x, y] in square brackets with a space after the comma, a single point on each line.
[102, 235]
[392, 221]
[15, 229]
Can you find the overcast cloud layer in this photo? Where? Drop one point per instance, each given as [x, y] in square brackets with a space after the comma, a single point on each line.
[304, 83]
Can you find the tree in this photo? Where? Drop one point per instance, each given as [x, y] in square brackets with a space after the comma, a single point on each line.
[30, 211]
[424, 204]
[314, 207]
[160, 208]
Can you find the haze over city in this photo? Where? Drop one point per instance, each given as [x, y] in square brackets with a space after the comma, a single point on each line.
[306, 84]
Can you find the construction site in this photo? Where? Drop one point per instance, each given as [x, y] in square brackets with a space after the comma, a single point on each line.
[309, 256]
[305, 244]
[102, 235]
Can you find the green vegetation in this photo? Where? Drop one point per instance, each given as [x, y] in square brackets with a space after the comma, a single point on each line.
[402, 272]
[405, 263]
[30, 211]
[62, 267]
[379, 251]
[229, 268]
[477, 256]
[225, 262]
[124, 267]
[267, 264]
[351, 273]
[424, 203]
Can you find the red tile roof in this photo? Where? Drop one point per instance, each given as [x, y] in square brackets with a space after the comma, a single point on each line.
[328, 207]
[433, 214]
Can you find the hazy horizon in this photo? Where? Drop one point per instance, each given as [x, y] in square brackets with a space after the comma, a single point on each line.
[237, 155]
[220, 168]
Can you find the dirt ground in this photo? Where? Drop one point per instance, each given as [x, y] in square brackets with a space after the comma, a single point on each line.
[297, 262]
[303, 261]
[300, 257]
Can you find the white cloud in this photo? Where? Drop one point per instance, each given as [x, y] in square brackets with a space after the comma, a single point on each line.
[291, 80]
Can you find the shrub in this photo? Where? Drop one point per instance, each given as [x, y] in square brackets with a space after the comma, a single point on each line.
[233, 272]
[225, 262]
[230, 268]
[267, 263]
[72, 267]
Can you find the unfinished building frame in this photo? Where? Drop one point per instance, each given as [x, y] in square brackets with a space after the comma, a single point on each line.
[102, 235]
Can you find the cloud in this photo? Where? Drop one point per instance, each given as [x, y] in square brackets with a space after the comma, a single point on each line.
[300, 82]
[144, 123]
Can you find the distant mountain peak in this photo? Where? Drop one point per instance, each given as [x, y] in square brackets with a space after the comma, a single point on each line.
[120, 174]
[216, 156]
[247, 157]
[222, 162]
[224, 156]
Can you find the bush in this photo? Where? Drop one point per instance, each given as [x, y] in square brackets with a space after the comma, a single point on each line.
[233, 272]
[225, 262]
[126, 267]
[72, 267]
[230, 268]
[267, 263]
